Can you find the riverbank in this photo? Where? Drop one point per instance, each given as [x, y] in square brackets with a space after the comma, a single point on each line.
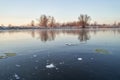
[88, 27]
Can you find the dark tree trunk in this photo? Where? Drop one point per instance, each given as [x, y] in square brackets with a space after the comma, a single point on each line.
[83, 26]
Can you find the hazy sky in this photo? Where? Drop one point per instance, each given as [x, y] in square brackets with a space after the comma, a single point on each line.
[19, 12]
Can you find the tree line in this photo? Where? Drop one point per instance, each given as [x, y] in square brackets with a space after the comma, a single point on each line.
[50, 22]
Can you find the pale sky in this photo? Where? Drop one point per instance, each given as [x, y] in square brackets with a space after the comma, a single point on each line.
[19, 12]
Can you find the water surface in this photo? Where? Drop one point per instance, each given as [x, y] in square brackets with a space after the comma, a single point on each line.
[83, 54]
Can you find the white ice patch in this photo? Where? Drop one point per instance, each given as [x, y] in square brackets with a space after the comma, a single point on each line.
[36, 67]
[91, 58]
[18, 65]
[34, 55]
[48, 73]
[56, 68]
[47, 61]
[70, 44]
[16, 76]
[50, 66]
[36, 61]
[61, 63]
[80, 59]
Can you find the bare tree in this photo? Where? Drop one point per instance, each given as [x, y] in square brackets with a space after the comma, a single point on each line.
[2, 25]
[119, 24]
[43, 21]
[84, 20]
[32, 23]
[10, 25]
[51, 21]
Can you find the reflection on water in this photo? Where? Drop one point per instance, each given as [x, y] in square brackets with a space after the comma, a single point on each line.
[60, 55]
[46, 35]
[49, 35]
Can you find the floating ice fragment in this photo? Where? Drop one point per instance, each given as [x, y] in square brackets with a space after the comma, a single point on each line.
[70, 44]
[80, 59]
[61, 63]
[18, 65]
[56, 68]
[16, 76]
[36, 67]
[91, 58]
[50, 66]
[34, 55]
[36, 61]
[48, 73]
[33, 73]
[47, 61]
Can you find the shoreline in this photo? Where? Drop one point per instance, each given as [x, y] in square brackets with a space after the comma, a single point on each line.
[42, 28]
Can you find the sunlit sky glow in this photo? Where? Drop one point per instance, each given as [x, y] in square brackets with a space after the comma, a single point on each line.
[20, 12]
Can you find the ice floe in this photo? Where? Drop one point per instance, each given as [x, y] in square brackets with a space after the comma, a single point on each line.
[61, 63]
[91, 58]
[70, 44]
[34, 55]
[48, 73]
[50, 66]
[80, 59]
[37, 61]
[17, 65]
[16, 76]
[56, 68]
[36, 67]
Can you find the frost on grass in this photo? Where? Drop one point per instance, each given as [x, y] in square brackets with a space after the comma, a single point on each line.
[16, 76]
[80, 59]
[50, 66]
[10, 54]
[101, 51]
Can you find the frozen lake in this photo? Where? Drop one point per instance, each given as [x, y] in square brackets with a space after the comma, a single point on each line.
[83, 54]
